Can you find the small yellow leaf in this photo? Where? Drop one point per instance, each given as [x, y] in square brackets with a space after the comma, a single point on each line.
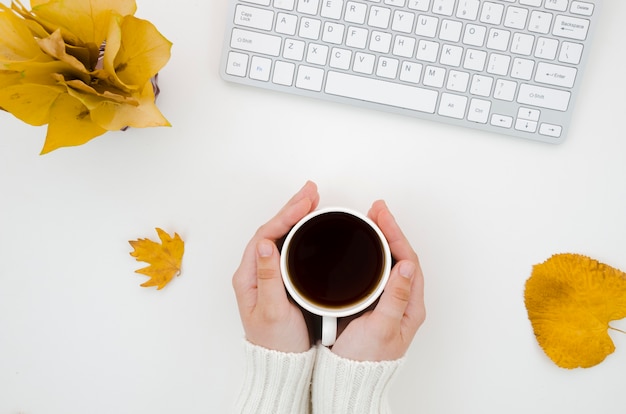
[570, 301]
[165, 259]
[70, 124]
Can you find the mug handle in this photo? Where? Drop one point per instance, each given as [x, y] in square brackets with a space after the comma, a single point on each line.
[329, 330]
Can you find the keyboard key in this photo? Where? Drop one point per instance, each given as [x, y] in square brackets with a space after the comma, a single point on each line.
[254, 17]
[505, 90]
[259, 2]
[452, 106]
[427, 26]
[582, 8]
[421, 5]
[355, 12]
[479, 111]
[515, 17]
[284, 4]
[382, 92]
[260, 68]
[543, 97]
[498, 39]
[540, 22]
[411, 72]
[550, 130]
[332, 9]
[558, 5]
[556, 75]
[468, 9]
[492, 13]
[570, 27]
[458, 81]
[237, 64]
[379, 17]
[255, 42]
[444, 7]
[571, 53]
[309, 78]
[501, 121]
[308, 6]
[283, 73]
[525, 125]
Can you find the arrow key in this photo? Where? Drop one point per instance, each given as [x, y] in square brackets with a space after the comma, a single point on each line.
[550, 130]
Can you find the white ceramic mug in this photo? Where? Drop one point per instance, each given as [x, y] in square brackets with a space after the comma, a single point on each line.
[376, 244]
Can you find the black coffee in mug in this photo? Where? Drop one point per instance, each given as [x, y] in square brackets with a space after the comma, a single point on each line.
[335, 260]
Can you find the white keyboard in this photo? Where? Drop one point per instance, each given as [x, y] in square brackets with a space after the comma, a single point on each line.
[508, 66]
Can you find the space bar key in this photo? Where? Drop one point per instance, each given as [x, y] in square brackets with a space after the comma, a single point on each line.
[382, 92]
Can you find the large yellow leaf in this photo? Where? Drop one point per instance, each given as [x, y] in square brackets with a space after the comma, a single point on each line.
[164, 259]
[135, 51]
[29, 102]
[70, 124]
[570, 301]
[86, 20]
[54, 46]
[16, 40]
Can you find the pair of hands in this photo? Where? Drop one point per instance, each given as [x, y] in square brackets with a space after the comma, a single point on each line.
[272, 321]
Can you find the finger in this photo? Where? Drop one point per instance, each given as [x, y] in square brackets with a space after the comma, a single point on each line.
[270, 289]
[396, 297]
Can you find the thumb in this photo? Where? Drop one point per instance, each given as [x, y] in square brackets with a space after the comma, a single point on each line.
[397, 294]
[270, 288]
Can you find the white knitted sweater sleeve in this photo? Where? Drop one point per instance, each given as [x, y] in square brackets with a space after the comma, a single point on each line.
[342, 386]
[275, 382]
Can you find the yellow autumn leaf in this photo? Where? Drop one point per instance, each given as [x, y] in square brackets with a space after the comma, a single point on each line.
[16, 41]
[80, 21]
[164, 259]
[30, 103]
[54, 46]
[570, 301]
[70, 124]
[135, 51]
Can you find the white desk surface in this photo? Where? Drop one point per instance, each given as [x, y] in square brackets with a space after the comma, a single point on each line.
[78, 335]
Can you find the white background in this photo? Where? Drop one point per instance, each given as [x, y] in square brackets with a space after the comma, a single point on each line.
[79, 335]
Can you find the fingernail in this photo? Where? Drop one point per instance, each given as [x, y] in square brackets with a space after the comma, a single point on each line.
[265, 248]
[407, 269]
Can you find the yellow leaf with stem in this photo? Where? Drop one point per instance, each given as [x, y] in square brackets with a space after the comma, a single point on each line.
[570, 301]
[70, 124]
[164, 259]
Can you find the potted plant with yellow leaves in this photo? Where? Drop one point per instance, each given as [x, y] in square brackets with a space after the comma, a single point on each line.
[83, 67]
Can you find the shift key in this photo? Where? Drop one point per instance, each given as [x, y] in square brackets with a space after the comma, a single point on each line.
[255, 42]
[543, 97]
